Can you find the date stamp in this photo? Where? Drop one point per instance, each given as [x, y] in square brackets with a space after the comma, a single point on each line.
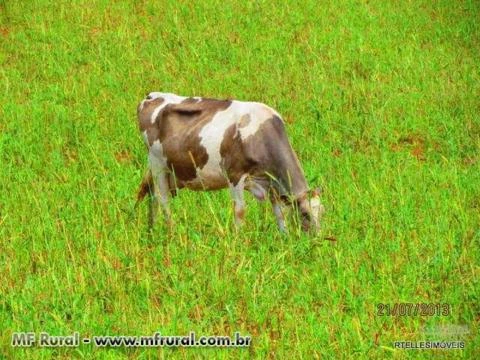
[413, 309]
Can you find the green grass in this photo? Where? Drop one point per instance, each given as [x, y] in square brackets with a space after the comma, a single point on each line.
[382, 103]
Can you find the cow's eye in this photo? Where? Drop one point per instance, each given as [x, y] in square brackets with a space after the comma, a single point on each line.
[149, 97]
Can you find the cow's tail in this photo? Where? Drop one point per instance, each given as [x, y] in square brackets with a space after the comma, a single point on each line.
[146, 187]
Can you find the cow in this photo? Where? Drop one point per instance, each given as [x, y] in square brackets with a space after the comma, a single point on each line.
[210, 144]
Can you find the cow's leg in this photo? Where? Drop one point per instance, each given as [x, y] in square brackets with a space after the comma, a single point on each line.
[278, 212]
[161, 189]
[238, 201]
[153, 209]
[277, 209]
[259, 189]
[162, 192]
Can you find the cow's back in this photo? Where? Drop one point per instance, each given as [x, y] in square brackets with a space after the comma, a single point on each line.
[206, 142]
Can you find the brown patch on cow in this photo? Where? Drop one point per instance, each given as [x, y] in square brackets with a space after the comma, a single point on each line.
[234, 160]
[179, 126]
[257, 154]
[145, 118]
[266, 155]
[244, 121]
[279, 157]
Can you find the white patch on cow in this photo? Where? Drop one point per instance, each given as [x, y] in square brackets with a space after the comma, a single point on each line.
[158, 167]
[156, 157]
[168, 99]
[212, 136]
[155, 94]
[145, 137]
[213, 132]
[259, 113]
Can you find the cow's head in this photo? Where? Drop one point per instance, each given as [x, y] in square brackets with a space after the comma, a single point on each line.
[311, 210]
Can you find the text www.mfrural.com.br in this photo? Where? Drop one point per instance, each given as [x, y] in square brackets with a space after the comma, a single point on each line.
[44, 339]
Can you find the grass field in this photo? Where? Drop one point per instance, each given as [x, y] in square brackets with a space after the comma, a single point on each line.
[382, 104]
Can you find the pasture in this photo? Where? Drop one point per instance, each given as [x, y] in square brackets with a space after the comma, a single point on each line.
[382, 104]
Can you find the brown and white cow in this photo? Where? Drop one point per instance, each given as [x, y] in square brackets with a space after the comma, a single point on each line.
[208, 144]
